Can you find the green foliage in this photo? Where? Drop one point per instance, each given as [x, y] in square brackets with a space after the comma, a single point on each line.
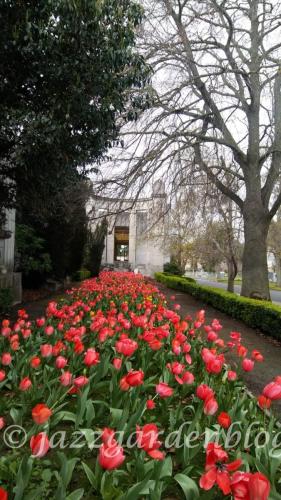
[261, 315]
[172, 268]
[65, 71]
[6, 300]
[33, 260]
[82, 274]
[190, 280]
[94, 248]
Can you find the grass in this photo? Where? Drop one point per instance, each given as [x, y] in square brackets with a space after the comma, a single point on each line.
[238, 281]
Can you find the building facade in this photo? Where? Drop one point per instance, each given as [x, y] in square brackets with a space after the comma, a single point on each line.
[136, 231]
[8, 278]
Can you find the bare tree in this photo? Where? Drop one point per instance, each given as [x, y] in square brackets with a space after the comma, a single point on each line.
[217, 94]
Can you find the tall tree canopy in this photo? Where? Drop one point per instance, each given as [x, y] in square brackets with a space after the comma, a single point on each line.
[69, 78]
[217, 91]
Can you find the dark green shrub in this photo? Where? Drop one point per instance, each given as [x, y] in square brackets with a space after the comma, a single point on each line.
[6, 300]
[31, 256]
[94, 247]
[82, 274]
[264, 316]
[172, 268]
[190, 280]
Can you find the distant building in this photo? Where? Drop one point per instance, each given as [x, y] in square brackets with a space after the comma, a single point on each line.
[7, 243]
[8, 278]
[136, 231]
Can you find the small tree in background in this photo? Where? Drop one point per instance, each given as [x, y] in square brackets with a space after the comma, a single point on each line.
[95, 247]
[32, 258]
[274, 245]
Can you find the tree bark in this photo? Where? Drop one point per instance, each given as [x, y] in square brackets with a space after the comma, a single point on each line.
[232, 272]
[255, 282]
[278, 269]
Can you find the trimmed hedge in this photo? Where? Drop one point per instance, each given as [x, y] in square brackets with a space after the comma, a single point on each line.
[192, 280]
[264, 316]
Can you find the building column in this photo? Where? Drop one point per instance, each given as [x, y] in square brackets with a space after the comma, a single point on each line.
[132, 239]
[110, 248]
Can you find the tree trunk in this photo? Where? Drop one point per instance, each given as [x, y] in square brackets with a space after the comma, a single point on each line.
[278, 269]
[232, 272]
[255, 282]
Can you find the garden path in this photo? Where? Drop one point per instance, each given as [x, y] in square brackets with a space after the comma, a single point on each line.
[252, 339]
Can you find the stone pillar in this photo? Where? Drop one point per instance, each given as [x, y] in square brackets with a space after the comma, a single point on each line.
[110, 248]
[132, 239]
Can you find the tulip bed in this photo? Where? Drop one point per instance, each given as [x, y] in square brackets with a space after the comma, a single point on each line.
[114, 395]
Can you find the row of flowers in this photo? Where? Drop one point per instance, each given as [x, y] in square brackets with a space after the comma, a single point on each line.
[114, 357]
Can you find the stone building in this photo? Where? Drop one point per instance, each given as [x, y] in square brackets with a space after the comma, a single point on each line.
[8, 278]
[136, 231]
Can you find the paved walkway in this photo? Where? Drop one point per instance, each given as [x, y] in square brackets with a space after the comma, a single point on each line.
[252, 339]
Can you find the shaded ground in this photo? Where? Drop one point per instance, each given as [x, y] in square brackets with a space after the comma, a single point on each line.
[252, 339]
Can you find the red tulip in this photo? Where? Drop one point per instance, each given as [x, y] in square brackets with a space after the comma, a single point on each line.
[6, 359]
[224, 420]
[242, 351]
[2, 423]
[39, 445]
[126, 346]
[41, 413]
[264, 402]
[186, 378]
[111, 456]
[117, 363]
[92, 357]
[203, 392]
[25, 384]
[147, 439]
[124, 386]
[46, 350]
[212, 336]
[259, 487]
[176, 368]
[49, 330]
[257, 356]
[2, 375]
[217, 469]
[80, 381]
[210, 406]
[135, 378]
[247, 365]
[214, 365]
[231, 375]
[35, 362]
[150, 404]
[66, 379]
[61, 362]
[3, 494]
[108, 435]
[272, 391]
[240, 485]
[164, 390]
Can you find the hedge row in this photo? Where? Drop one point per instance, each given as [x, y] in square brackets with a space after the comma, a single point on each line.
[255, 313]
[192, 280]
